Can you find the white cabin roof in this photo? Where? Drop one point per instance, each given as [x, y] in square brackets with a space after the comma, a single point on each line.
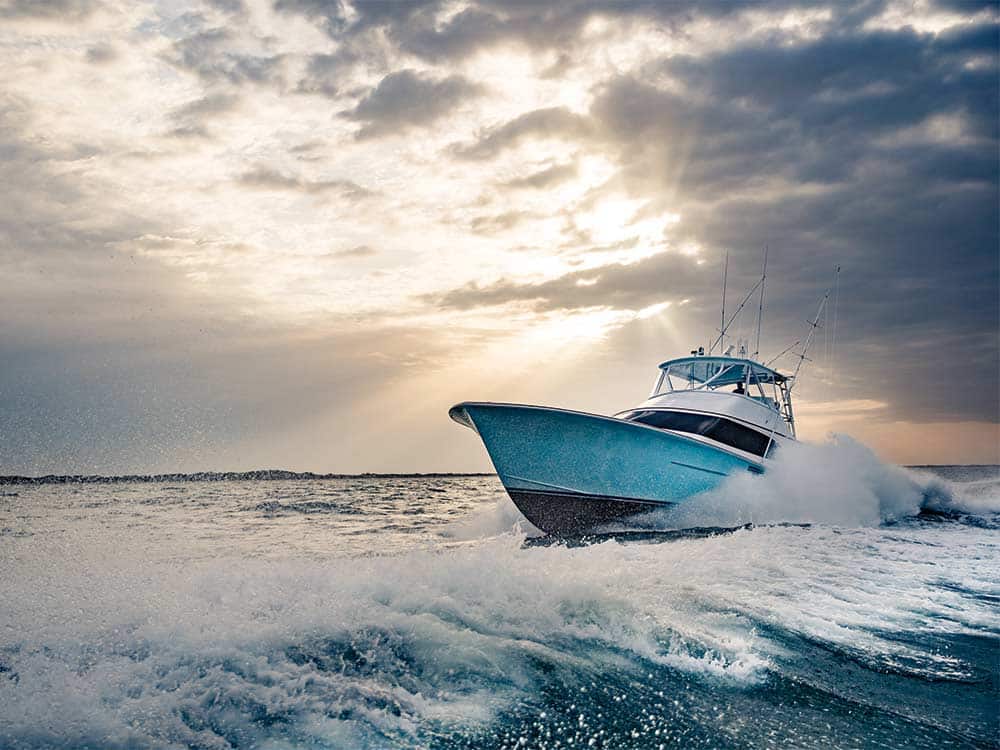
[700, 369]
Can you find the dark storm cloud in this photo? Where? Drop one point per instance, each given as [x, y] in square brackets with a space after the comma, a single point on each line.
[551, 122]
[426, 30]
[270, 179]
[856, 86]
[872, 149]
[406, 99]
[966, 6]
[663, 277]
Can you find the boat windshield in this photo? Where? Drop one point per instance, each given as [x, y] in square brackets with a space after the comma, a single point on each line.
[710, 373]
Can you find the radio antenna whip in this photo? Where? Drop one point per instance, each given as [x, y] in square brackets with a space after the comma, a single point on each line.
[735, 314]
[760, 308]
[836, 309]
[722, 324]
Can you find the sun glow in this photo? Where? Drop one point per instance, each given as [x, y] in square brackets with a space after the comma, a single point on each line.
[616, 220]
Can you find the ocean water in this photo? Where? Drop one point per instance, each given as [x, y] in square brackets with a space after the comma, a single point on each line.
[855, 605]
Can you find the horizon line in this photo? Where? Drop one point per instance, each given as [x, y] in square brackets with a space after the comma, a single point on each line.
[221, 476]
[285, 474]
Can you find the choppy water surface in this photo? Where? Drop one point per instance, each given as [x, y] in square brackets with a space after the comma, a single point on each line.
[411, 612]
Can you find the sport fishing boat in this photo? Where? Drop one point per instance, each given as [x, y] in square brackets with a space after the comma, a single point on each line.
[707, 418]
[570, 472]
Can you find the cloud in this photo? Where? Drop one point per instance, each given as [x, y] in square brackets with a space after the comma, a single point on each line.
[62, 10]
[493, 223]
[214, 55]
[550, 122]
[116, 362]
[325, 73]
[102, 54]
[358, 251]
[270, 179]
[966, 6]
[544, 178]
[407, 99]
[236, 7]
[662, 277]
[207, 106]
[432, 31]
[833, 133]
[192, 120]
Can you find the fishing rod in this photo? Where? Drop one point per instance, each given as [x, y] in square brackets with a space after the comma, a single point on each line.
[760, 308]
[722, 322]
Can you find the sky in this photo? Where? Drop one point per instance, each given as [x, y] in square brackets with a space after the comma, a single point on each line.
[241, 234]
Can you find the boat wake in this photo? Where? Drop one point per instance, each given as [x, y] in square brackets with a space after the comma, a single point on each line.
[878, 632]
[837, 483]
[489, 644]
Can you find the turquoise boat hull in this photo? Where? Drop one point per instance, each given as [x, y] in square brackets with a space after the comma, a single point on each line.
[570, 472]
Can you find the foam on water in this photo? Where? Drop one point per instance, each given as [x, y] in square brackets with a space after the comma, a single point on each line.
[369, 650]
[378, 652]
[840, 483]
[112, 639]
[498, 517]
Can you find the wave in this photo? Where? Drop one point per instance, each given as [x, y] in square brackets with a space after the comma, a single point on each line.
[361, 653]
[400, 651]
[841, 483]
[489, 520]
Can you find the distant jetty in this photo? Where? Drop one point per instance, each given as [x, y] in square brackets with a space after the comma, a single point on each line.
[259, 475]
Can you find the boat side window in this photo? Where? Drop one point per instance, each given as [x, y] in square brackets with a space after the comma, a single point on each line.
[764, 392]
[716, 428]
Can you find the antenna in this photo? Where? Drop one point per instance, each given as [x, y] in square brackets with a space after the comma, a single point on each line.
[760, 308]
[735, 314]
[836, 308]
[722, 323]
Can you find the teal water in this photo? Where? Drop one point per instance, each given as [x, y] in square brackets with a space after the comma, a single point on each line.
[417, 613]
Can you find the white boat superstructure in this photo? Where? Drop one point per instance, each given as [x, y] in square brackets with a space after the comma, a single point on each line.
[727, 402]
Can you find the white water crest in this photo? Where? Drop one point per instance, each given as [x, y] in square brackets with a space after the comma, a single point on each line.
[146, 616]
[493, 519]
[838, 483]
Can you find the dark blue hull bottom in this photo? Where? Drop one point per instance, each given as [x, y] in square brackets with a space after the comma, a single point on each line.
[572, 514]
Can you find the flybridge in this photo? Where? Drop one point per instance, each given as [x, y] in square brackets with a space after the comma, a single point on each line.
[720, 370]
[751, 379]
